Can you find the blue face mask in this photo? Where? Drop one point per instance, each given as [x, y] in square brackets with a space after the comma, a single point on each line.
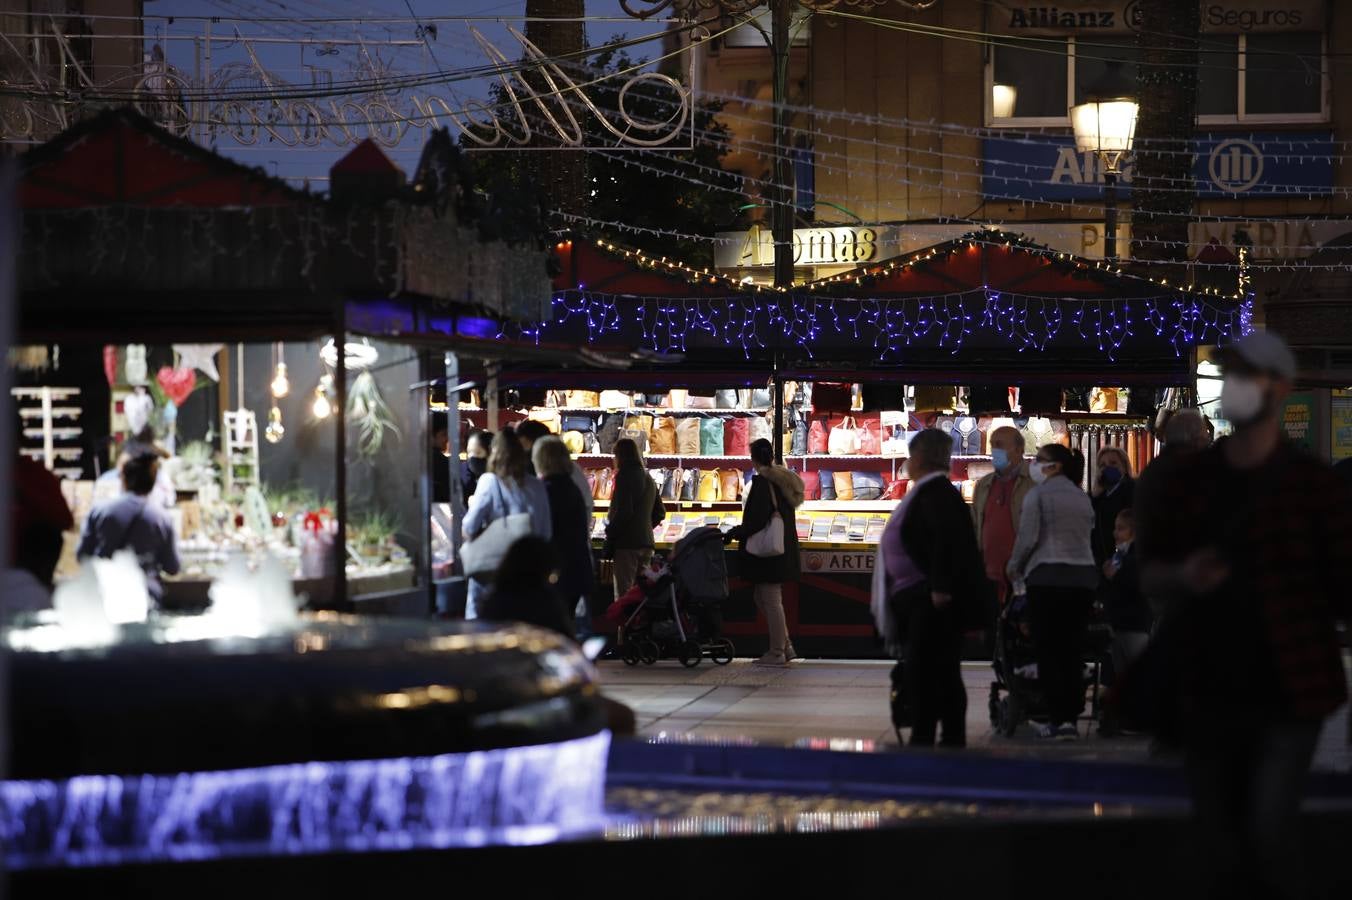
[1110, 475]
[1000, 458]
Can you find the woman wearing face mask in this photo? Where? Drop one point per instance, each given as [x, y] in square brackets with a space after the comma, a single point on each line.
[1114, 491]
[1053, 560]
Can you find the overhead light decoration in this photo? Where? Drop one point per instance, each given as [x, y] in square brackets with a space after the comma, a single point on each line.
[281, 385]
[321, 407]
[275, 430]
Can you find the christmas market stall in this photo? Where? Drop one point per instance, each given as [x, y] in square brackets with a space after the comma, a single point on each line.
[176, 301]
[986, 330]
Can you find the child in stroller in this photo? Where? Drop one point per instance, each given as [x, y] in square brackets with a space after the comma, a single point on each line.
[1015, 665]
[676, 609]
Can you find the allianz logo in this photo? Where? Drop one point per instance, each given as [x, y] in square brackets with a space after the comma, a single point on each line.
[1234, 166]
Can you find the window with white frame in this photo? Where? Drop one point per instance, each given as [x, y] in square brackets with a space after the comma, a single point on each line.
[1275, 77]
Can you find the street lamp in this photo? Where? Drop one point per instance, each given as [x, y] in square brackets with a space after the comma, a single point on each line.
[1105, 125]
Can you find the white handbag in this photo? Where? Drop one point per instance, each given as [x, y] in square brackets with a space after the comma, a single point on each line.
[759, 429]
[769, 541]
[483, 554]
[843, 439]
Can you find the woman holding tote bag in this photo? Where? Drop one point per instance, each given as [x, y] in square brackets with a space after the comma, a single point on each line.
[769, 539]
[509, 503]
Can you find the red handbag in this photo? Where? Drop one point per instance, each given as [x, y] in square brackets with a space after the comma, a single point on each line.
[812, 485]
[816, 437]
[870, 443]
[896, 489]
[736, 437]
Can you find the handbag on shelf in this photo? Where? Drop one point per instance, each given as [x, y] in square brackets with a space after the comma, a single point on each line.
[760, 399]
[830, 396]
[553, 399]
[614, 400]
[798, 442]
[812, 486]
[1103, 400]
[896, 489]
[579, 423]
[731, 486]
[935, 397]
[659, 477]
[701, 400]
[689, 484]
[827, 480]
[662, 438]
[688, 436]
[867, 485]
[548, 417]
[736, 437]
[575, 443]
[769, 541]
[640, 439]
[638, 422]
[656, 401]
[709, 484]
[759, 429]
[591, 475]
[582, 399]
[484, 553]
[671, 486]
[816, 437]
[611, 427]
[725, 399]
[844, 483]
[605, 484]
[843, 439]
[870, 444]
[711, 436]
[676, 398]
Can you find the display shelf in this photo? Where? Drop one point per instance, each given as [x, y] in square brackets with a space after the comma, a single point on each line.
[686, 505]
[847, 506]
[663, 410]
[39, 413]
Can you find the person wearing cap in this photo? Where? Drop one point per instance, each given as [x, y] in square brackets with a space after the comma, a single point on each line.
[1248, 543]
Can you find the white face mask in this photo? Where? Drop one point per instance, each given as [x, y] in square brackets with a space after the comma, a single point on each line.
[1037, 472]
[1241, 399]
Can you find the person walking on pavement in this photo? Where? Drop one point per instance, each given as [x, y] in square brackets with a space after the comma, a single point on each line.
[635, 509]
[928, 585]
[774, 490]
[1250, 544]
[1114, 491]
[997, 504]
[1053, 560]
[505, 489]
[572, 542]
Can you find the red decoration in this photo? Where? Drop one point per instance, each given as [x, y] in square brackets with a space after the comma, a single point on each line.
[110, 364]
[177, 384]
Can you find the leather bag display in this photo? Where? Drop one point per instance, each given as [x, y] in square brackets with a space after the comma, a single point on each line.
[812, 486]
[870, 442]
[614, 400]
[710, 484]
[676, 398]
[868, 485]
[579, 423]
[548, 417]
[575, 443]
[730, 487]
[726, 399]
[609, 432]
[736, 437]
[844, 483]
[638, 422]
[760, 399]
[817, 437]
[700, 401]
[662, 438]
[605, 484]
[689, 484]
[798, 442]
[843, 439]
[896, 489]
[640, 439]
[582, 399]
[760, 429]
[688, 436]
[671, 486]
[827, 479]
[711, 436]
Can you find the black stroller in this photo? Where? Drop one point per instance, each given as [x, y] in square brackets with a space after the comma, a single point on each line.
[679, 612]
[1015, 665]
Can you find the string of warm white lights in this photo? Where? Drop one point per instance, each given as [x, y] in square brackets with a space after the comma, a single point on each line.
[890, 327]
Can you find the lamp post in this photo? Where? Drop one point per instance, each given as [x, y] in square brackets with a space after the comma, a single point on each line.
[1105, 125]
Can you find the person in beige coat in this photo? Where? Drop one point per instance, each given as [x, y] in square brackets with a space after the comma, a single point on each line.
[997, 505]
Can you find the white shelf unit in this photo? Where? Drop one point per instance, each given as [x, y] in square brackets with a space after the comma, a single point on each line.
[240, 442]
[48, 415]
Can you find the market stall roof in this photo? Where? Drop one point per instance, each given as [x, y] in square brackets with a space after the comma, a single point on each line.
[131, 230]
[597, 264]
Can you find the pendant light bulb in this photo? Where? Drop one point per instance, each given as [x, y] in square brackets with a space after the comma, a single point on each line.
[275, 430]
[281, 385]
[321, 408]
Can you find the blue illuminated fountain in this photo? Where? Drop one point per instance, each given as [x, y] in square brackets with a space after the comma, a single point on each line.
[159, 742]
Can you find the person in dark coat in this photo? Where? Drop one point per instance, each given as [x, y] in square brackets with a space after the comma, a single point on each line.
[635, 510]
[934, 586]
[1114, 491]
[571, 539]
[774, 488]
[524, 588]
[476, 461]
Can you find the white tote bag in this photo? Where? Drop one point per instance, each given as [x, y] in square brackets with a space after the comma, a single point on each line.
[483, 554]
[769, 541]
[843, 439]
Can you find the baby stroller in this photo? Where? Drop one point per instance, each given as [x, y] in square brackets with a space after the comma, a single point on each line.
[1015, 665]
[676, 610]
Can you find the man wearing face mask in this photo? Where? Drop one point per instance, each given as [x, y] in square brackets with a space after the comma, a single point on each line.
[997, 504]
[1249, 543]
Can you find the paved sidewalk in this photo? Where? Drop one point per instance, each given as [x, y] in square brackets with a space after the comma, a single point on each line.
[844, 704]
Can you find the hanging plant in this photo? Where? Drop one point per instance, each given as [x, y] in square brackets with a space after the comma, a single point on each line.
[370, 413]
